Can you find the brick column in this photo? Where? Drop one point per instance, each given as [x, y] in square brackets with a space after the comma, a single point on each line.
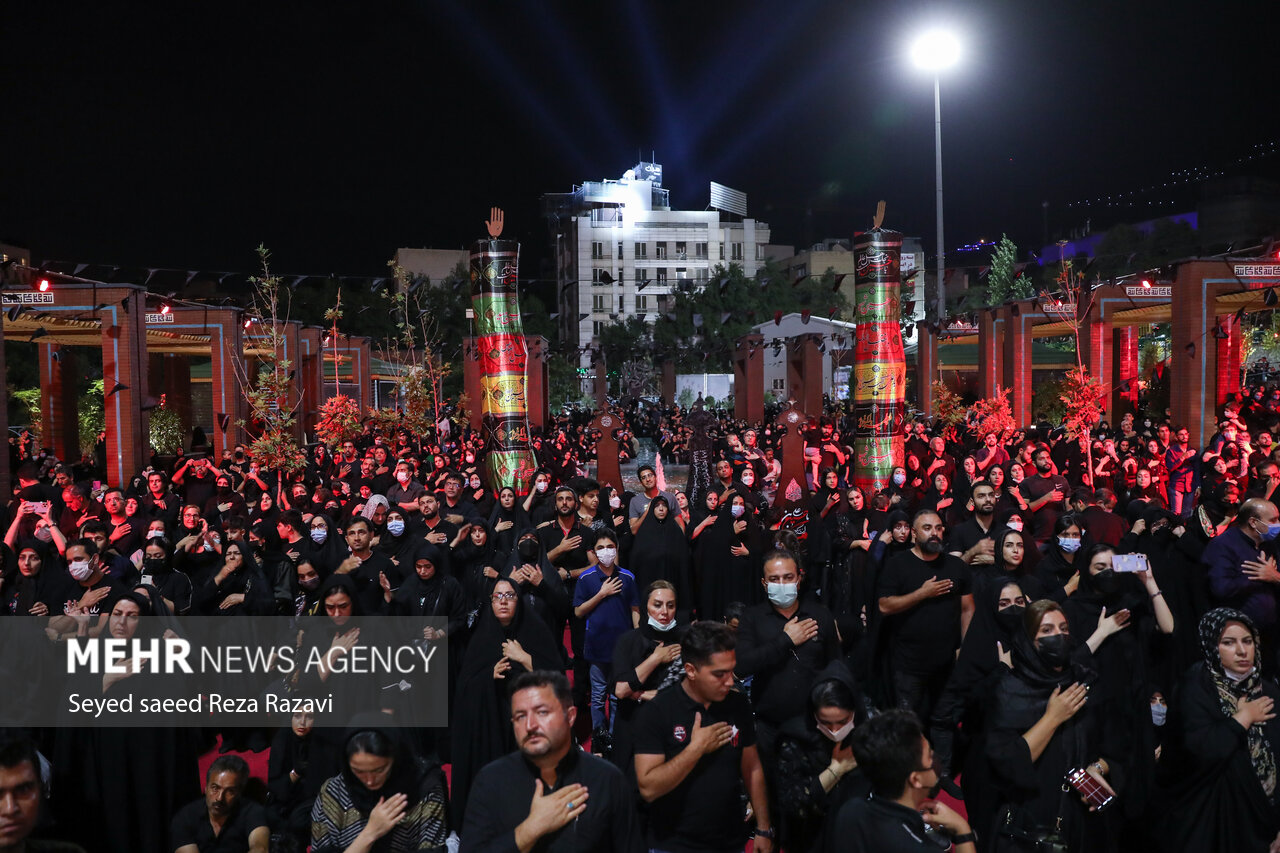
[1194, 370]
[310, 379]
[124, 374]
[669, 382]
[471, 381]
[1229, 354]
[5, 473]
[538, 388]
[748, 378]
[804, 372]
[58, 405]
[291, 334]
[926, 368]
[1017, 356]
[990, 361]
[1124, 358]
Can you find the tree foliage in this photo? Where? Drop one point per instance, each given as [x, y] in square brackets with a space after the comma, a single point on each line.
[948, 408]
[1004, 282]
[701, 325]
[992, 415]
[1084, 399]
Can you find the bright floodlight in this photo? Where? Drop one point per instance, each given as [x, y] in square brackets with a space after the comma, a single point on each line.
[935, 50]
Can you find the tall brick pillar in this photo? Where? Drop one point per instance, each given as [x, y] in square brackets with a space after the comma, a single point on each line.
[471, 381]
[1194, 365]
[538, 385]
[1017, 356]
[310, 379]
[291, 351]
[1124, 346]
[58, 405]
[669, 382]
[228, 369]
[926, 368]
[1097, 336]
[1229, 354]
[804, 372]
[990, 356]
[124, 374]
[748, 379]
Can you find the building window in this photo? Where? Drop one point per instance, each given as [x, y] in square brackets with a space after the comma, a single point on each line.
[722, 250]
[737, 251]
[597, 251]
[642, 303]
[682, 251]
[602, 303]
[779, 384]
[662, 275]
[701, 250]
[660, 251]
[702, 275]
[597, 328]
[759, 251]
[681, 274]
[642, 250]
[596, 273]
[619, 251]
[640, 279]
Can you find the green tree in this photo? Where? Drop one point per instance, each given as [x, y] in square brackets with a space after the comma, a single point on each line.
[1003, 281]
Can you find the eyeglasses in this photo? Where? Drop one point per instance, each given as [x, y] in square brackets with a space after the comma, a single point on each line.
[503, 596]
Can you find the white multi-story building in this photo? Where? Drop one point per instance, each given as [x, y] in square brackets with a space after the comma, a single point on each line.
[620, 250]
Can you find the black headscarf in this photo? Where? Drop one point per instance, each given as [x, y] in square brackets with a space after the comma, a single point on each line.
[1211, 628]
[661, 552]
[406, 770]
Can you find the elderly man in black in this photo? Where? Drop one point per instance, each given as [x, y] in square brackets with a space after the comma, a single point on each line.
[550, 795]
[224, 821]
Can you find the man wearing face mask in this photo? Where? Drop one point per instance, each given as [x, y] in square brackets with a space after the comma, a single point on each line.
[1046, 494]
[606, 597]
[784, 643]
[404, 494]
[92, 584]
[1241, 565]
[927, 596]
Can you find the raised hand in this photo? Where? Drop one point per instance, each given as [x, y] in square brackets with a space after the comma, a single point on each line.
[494, 222]
[1065, 704]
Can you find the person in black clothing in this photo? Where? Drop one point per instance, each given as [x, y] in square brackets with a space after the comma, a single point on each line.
[367, 566]
[224, 820]
[1057, 572]
[646, 661]
[694, 744]
[1046, 494]
[928, 600]
[971, 540]
[817, 772]
[783, 643]
[894, 755]
[578, 802]
[1218, 772]
[298, 764]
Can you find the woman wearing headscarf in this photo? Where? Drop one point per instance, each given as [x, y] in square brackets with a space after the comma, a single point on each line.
[817, 772]
[508, 639]
[299, 763]
[1057, 570]
[661, 550]
[506, 521]
[34, 581]
[385, 800]
[1218, 777]
[237, 587]
[727, 560]
[538, 582]
[1042, 725]
[1124, 663]
[827, 505]
[328, 548]
[646, 660]
[957, 723]
[157, 571]
[398, 542]
[475, 565]
[339, 625]
[940, 498]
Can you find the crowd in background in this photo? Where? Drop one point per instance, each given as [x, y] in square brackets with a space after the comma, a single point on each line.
[1035, 606]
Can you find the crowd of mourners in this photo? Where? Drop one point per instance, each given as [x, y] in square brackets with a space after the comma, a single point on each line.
[1025, 641]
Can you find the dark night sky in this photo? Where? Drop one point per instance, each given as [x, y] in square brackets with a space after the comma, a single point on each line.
[184, 135]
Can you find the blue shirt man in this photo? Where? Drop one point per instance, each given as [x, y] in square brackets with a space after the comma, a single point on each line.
[607, 598]
[1241, 564]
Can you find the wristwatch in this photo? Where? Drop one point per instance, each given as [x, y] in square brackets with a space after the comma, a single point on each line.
[964, 839]
[766, 833]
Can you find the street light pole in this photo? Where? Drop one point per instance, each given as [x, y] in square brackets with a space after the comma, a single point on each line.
[937, 147]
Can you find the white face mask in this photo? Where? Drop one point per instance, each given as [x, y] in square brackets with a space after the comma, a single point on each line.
[658, 626]
[1015, 524]
[1159, 713]
[783, 594]
[606, 556]
[540, 486]
[319, 535]
[403, 476]
[615, 502]
[748, 479]
[836, 735]
[395, 527]
[737, 510]
[79, 569]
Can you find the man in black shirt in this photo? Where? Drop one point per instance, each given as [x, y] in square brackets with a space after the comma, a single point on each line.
[569, 547]
[971, 539]
[1100, 524]
[579, 802]
[926, 595]
[895, 757]
[694, 742]
[223, 822]
[1046, 494]
[366, 565]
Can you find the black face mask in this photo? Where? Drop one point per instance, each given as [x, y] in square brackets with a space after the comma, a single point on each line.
[1107, 582]
[224, 490]
[154, 565]
[1010, 617]
[1054, 650]
[528, 548]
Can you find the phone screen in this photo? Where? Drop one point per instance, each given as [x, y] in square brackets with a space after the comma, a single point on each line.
[1130, 563]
